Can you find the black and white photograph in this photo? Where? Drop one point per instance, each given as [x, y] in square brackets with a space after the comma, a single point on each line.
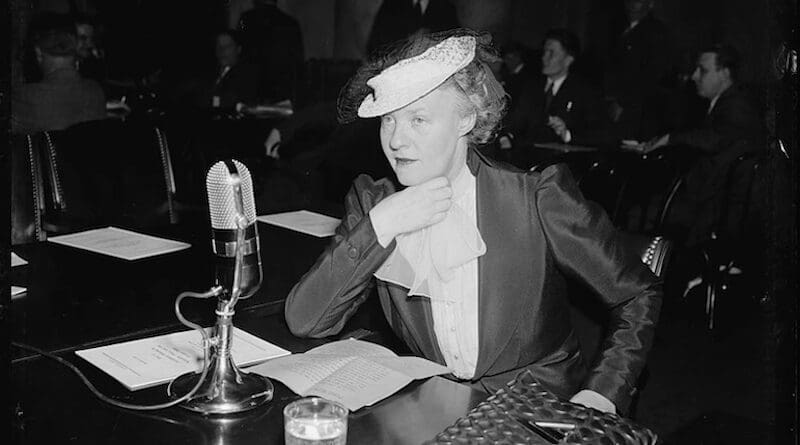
[400, 222]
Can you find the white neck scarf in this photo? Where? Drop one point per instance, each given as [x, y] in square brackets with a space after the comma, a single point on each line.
[423, 260]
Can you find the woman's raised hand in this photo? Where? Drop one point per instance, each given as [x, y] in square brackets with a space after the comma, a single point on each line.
[412, 209]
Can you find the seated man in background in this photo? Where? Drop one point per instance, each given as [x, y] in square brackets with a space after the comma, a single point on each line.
[91, 60]
[732, 127]
[558, 107]
[233, 82]
[62, 98]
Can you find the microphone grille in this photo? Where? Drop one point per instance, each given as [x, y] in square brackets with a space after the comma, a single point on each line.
[221, 198]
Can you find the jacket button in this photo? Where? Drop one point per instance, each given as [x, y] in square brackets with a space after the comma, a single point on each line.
[352, 253]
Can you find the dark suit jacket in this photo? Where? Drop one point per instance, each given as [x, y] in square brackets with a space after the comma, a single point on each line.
[538, 230]
[734, 120]
[577, 103]
[274, 42]
[242, 84]
[398, 19]
[639, 68]
[733, 128]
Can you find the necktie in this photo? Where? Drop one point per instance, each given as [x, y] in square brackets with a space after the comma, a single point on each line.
[548, 96]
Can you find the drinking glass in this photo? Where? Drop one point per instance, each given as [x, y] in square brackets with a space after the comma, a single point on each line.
[315, 421]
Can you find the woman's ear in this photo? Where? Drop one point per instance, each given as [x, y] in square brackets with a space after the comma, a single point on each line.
[466, 123]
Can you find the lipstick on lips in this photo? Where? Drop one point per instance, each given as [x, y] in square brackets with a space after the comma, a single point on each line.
[404, 162]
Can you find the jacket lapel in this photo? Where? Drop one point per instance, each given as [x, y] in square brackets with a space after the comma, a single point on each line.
[500, 292]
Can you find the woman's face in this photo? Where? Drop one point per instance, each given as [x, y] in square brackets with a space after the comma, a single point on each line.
[421, 140]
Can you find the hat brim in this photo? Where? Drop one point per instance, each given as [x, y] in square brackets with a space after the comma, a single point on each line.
[374, 107]
[410, 79]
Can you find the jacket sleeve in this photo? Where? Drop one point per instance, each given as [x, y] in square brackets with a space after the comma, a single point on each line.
[332, 290]
[737, 120]
[587, 246]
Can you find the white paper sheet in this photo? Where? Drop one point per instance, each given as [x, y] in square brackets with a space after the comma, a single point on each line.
[17, 260]
[303, 221]
[352, 372]
[152, 361]
[120, 243]
[18, 291]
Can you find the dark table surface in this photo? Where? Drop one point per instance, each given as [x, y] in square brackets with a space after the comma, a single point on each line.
[78, 299]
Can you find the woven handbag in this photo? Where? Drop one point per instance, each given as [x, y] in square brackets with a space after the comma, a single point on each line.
[523, 412]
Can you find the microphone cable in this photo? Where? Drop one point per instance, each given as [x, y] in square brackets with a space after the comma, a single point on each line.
[213, 292]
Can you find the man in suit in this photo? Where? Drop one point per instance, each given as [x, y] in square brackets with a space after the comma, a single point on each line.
[232, 84]
[639, 70]
[398, 19]
[732, 127]
[558, 107]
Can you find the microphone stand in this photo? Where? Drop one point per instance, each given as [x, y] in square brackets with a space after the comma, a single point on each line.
[226, 389]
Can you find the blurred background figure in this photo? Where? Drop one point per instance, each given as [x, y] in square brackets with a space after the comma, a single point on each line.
[91, 58]
[62, 97]
[274, 43]
[232, 81]
[518, 70]
[398, 19]
[638, 69]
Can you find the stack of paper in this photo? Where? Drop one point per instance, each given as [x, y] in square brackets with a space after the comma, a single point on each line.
[352, 372]
[303, 221]
[148, 362]
[120, 243]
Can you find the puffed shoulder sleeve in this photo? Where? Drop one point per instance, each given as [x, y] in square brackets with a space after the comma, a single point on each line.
[332, 290]
[586, 245]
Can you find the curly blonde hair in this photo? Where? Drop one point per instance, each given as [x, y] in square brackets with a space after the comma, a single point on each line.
[480, 93]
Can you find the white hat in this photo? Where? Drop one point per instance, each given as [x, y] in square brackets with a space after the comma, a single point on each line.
[409, 79]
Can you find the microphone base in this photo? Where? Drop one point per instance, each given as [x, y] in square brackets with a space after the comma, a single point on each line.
[225, 389]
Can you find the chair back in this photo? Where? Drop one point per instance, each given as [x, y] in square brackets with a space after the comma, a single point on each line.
[656, 254]
[110, 173]
[650, 193]
[28, 194]
[654, 251]
[604, 182]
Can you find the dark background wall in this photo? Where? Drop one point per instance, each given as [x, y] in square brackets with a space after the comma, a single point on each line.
[152, 32]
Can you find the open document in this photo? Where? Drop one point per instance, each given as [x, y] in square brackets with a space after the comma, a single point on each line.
[120, 243]
[352, 372]
[303, 221]
[152, 361]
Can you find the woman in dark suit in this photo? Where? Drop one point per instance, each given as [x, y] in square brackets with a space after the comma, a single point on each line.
[471, 258]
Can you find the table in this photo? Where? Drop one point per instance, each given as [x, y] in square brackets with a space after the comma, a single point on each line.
[78, 299]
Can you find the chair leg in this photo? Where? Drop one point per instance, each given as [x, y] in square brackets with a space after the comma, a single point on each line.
[712, 295]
